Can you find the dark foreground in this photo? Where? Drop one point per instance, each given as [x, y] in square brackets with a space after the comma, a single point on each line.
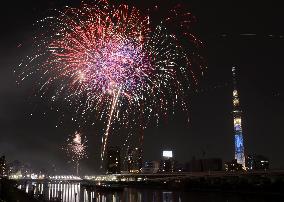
[9, 192]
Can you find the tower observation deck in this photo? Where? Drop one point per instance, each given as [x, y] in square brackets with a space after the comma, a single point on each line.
[237, 115]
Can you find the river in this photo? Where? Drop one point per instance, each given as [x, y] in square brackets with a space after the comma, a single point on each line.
[73, 192]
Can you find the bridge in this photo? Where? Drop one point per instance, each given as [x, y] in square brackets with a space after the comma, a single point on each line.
[246, 181]
[181, 176]
[35, 177]
[155, 177]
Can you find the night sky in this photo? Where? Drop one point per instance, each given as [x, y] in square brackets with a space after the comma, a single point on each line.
[248, 36]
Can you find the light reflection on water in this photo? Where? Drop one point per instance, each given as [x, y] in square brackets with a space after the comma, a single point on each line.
[73, 192]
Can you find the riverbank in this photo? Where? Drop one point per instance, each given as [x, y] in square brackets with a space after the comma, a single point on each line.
[9, 192]
[229, 184]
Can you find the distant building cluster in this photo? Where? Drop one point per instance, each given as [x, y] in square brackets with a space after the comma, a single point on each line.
[133, 163]
[257, 162]
[253, 163]
[167, 163]
[18, 170]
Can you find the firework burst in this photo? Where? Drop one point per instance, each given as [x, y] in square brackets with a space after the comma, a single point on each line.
[76, 148]
[115, 62]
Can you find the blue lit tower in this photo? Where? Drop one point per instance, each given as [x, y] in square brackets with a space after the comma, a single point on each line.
[237, 115]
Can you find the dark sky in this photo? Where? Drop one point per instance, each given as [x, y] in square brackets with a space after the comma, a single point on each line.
[223, 27]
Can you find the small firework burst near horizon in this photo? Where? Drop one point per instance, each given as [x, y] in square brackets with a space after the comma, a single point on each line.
[75, 148]
[115, 62]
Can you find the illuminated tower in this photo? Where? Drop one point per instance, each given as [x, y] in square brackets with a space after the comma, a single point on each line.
[237, 114]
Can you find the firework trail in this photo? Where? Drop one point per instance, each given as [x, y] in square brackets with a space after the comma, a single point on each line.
[126, 146]
[114, 61]
[76, 148]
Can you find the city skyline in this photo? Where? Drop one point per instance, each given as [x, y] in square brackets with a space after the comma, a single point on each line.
[26, 119]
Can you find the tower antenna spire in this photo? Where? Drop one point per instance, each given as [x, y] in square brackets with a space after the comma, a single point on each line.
[234, 78]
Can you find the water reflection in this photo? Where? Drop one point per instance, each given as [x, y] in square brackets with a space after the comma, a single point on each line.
[74, 192]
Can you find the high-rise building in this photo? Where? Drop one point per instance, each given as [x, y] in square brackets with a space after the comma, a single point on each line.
[113, 160]
[167, 164]
[3, 166]
[18, 168]
[233, 166]
[134, 160]
[257, 162]
[237, 115]
[151, 167]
